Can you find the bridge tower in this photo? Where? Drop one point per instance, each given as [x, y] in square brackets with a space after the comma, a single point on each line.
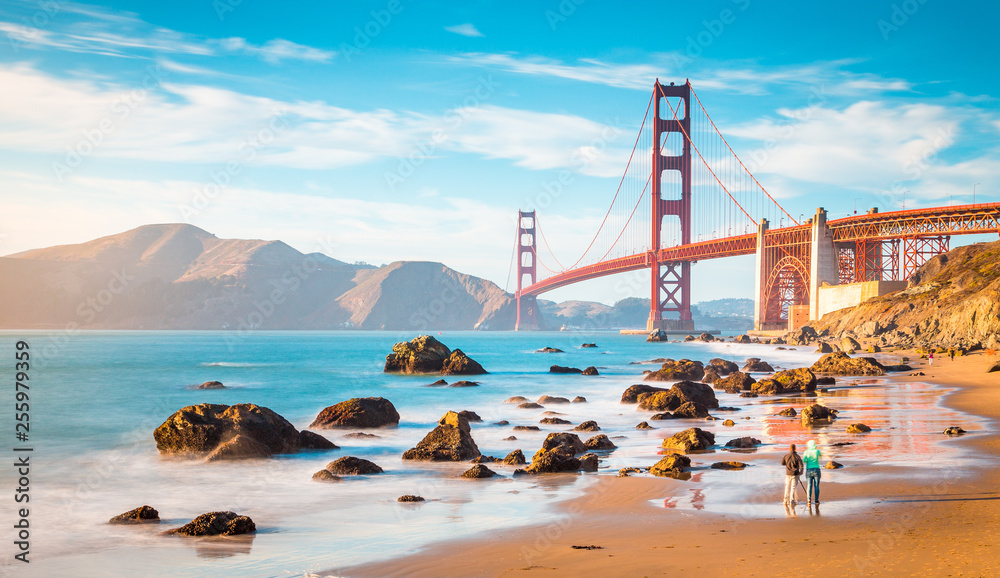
[670, 283]
[527, 319]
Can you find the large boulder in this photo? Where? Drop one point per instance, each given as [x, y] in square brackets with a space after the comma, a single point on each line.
[140, 515]
[423, 354]
[451, 441]
[589, 462]
[839, 363]
[600, 442]
[552, 399]
[563, 369]
[743, 443]
[360, 412]
[670, 466]
[514, 458]
[240, 447]
[755, 365]
[353, 466]
[735, 382]
[458, 363]
[217, 524]
[567, 443]
[723, 367]
[678, 395]
[682, 369]
[788, 381]
[691, 439]
[817, 413]
[631, 395]
[552, 461]
[479, 472]
[659, 336]
[589, 425]
[691, 409]
[202, 428]
[848, 343]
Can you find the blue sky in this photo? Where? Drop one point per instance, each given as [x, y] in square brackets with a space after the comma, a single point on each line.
[265, 120]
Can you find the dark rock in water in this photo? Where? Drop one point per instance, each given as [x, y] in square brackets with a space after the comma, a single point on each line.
[520, 472]
[589, 462]
[589, 425]
[203, 428]
[954, 431]
[485, 460]
[817, 413]
[464, 383]
[530, 405]
[510, 439]
[727, 408]
[589, 345]
[240, 447]
[438, 383]
[140, 515]
[683, 369]
[838, 444]
[661, 416]
[549, 350]
[748, 394]
[755, 365]
[898, 367]
[217, 524]
[628, 471]
[858, 428]
[212, 385]
[352, 466]
[691, 439]
[706, 338]
[516, 399]
[410, 498]
[788, 381]
[590, 371]
[743, 443]
[735, 382]
[728, 466]
[742, 339]
[458, 363]
[554, 421]
[832, 465]
[527, 428]
[515, 458]
[711, 375]
[451, 440]
[722, 366]
[564, 442]
[788, 412]
[839, 363]
[729, 423]
[824, 347]
[561, 369]
[360, 412]
[502, 422]
[670, 466]
[600, 442]
[547, 461]
[470, 415]
[360, 436]
[325, 476]
[579, 399]
[658, 336]
[550, 412]
[691, 410]
[550, 399]
[826, 380]
[678, 394]
[644, 425]
[631, 395]
[314, 441]
[423, 354]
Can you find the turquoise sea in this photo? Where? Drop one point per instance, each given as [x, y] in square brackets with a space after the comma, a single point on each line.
[96, 398]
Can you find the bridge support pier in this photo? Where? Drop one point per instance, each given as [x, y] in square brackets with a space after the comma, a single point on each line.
[527, 310]
[824, 261]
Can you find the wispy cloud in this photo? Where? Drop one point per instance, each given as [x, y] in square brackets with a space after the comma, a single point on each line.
[466, 29]
[274, 51]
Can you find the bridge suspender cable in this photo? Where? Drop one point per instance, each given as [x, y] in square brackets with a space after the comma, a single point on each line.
[660, 90]
[738, 158]
[541, 233]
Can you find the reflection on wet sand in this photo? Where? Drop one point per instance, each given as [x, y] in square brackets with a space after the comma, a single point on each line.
[223, 546]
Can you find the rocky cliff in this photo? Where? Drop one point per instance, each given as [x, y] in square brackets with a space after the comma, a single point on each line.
[952, 301]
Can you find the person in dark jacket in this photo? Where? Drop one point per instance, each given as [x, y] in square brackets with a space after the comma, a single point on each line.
[793, 469]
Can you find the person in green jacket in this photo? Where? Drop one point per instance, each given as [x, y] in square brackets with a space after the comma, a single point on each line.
[811, 458]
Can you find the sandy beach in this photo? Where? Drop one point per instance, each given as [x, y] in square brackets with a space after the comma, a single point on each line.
[906, 520]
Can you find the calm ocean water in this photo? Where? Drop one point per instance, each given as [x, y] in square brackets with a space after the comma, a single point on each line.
[97, 397]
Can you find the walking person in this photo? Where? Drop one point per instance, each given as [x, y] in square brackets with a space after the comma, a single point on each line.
[951, 352]
[793, 469]
[930, 358]
[811, 459]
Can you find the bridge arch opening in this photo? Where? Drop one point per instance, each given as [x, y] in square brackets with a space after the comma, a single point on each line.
[787, 285]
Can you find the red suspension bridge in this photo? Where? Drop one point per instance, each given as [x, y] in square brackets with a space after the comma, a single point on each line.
[685, 196]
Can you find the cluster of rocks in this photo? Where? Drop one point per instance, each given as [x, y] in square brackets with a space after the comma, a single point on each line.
[425, 354]
[210, 524]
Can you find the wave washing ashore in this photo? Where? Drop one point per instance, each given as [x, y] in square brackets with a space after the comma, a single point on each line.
[99, 397]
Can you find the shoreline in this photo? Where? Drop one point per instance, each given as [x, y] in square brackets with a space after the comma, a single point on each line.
[903, 526]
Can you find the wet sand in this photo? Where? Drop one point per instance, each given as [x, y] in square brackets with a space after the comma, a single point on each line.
[902, 521]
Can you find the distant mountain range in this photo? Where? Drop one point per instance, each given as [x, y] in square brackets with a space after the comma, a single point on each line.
[177, 276]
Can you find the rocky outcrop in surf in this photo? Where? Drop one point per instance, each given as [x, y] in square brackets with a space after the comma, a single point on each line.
[425, 354]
